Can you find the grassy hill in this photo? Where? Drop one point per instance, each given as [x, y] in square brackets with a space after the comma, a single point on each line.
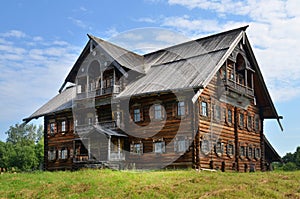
[150, 184]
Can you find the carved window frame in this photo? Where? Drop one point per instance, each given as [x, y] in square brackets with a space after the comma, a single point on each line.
[204, 109]
[181, 144]
[229, 122]
[249, 122]
[219, 148]
[159, 146]
[205, 147]
[136, 148]
[241, 120]
[230, 152]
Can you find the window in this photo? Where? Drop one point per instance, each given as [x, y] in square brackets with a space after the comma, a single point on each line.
[217, 112]
[64, 153]
[229, 116]
[90, 121]
[230, 149]
[52, 154]
[257, 153]
[250, 152]
[204, 109]
[205, 147]
[241, 120]
[249, 123]
[256, 125]
[136, 115]
[159, 147]
[219, 148]
[180, 109]
[52, 128]
[242, 151]
[181, 144]
[63, 126]
[157, 111]
[136, 148]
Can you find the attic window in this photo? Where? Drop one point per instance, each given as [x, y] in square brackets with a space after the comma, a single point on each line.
[157, 111]
[180, 109]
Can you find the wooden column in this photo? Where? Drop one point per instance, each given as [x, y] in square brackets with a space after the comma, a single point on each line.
[262, 145]
[108, 150]
[119, 148]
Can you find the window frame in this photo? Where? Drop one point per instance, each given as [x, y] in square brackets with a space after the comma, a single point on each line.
[204, 109]
[249, 123]
[229, 120]
[52, 128]
[63, 126]
[181, 109]
[52, 154]
[137, 116]
[219, 148]
[205, 147]
[230, 152]
[158, 112]
[181, 144]
[136, 148]
[162, 147]
[241, 120]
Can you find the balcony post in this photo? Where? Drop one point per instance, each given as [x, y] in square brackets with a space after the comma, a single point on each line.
[234, 75]
[252, 81]
[119, 148]
[108, 150]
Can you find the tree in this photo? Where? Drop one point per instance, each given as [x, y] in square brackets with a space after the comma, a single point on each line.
[292, 160]
[24, 147]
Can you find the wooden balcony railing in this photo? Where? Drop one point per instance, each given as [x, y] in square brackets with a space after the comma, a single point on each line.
[115, 89]
[240, 88]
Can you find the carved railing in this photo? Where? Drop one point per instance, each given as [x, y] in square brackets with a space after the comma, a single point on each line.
[240, 88]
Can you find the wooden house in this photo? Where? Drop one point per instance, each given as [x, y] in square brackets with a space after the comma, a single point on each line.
[199, 104]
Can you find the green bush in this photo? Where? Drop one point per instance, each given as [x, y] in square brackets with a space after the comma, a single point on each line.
[290, 166]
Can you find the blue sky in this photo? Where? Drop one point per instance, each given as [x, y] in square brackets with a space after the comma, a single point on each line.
[41, 40]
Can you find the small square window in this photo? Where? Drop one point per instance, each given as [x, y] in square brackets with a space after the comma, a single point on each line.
[205, 148]
[204, 109]
[137, 148]
[181, 145]
[137, 115]
[64, 153]
[180, 109]
[159, 147]
[51, 154]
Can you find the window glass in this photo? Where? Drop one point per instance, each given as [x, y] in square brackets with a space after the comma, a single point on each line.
[181, 109]
[159, 147]
[52, 126]
[64, 153]
[242, 151]
[241, 120]
[217, 112]
[229, 116]
[157, 111]
[63, 126]
[205, 147]
[52, 153]
[204, 109]
[230, 149]
[137, 115]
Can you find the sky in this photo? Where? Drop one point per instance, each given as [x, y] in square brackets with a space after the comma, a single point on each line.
[41, 40]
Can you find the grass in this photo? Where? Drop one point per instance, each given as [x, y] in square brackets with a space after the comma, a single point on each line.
[150, 184]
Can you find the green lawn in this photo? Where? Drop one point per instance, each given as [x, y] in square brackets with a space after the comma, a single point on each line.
[150, 184]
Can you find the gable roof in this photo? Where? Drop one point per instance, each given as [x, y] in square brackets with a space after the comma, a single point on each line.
[188, 65]
[60, 102]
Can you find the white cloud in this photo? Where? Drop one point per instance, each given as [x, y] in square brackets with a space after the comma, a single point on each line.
[31, 75]
[273, 33]
[14, 33]
[78, 23]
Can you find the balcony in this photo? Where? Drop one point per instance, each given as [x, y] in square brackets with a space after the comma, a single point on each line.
[239, 88]
[115, 89]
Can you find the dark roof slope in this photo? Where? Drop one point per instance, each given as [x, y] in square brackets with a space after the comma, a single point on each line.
[60, 102]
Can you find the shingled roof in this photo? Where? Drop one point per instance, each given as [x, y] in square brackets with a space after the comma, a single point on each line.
[188, 65]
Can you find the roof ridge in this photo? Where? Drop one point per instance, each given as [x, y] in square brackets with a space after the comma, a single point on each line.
[243, 28]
